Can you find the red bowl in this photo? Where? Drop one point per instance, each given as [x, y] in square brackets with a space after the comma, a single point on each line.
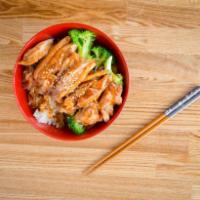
[60, 30]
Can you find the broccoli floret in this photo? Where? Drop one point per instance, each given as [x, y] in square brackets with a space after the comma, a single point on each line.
[100, 54]
[117, 78]
[84, 40]
[75, 126]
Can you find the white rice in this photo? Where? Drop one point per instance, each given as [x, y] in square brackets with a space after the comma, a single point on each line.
[42, 117]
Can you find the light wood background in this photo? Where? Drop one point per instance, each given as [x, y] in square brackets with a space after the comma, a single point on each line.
[161, 43]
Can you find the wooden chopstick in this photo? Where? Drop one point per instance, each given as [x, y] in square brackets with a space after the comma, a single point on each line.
[154, 123]
[177, 107]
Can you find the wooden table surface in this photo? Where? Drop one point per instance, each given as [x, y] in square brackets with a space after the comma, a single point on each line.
[161, 43]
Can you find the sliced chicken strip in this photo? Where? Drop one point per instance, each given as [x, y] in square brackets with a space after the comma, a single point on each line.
[69, 105]
[46, 84]
[110, 97]
[89, 115]
[56, 62]
[95, 75]
[50, 55]
[69, 62]
[47, 76]
[60, 57]
[71, 79]
[80, 91]
[94, 92]
[36, 53]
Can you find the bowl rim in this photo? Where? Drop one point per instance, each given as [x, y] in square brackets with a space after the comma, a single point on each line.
[115, 115]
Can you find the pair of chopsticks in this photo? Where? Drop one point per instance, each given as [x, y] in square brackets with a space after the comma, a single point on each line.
[188, 99]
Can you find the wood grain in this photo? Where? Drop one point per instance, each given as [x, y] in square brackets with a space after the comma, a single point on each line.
[160, 40]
